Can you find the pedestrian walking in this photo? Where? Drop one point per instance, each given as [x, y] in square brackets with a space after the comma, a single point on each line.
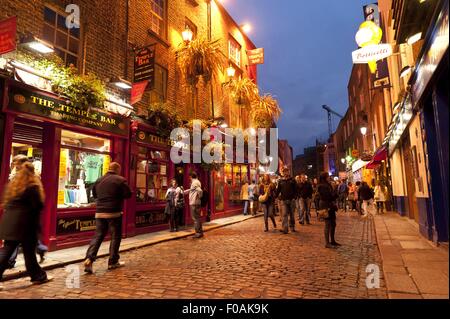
[316, 197]
[195, 195]
[305, 190]
[366, 195]
[110, 192]
[252, 196]
[380, 196]
[358, 198]
[351, 196]
[41, 249]
[327, 203]
[267, 201]
[244, 196]
[23, 201]
[287, 190]
[343, 192]
[173, 195]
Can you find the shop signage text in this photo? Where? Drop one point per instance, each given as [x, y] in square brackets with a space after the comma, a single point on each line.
[144, 65]
[144, 137]
[150, 218]
[25, 101]
[8, 35]
[74, 225]
[256, 56]
[372, 53]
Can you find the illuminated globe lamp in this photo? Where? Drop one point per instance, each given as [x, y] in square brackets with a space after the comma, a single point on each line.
[369, 34]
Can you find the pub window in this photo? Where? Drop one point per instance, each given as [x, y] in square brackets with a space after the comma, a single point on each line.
[65, 41]
[158, 17]
[159, 92]
[234, 51]
[83, 160]
[151, 175]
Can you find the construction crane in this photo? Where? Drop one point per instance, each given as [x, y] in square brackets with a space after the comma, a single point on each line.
[330, 111]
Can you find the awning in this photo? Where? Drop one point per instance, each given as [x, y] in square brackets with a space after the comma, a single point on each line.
[358, 165]
[378, 158]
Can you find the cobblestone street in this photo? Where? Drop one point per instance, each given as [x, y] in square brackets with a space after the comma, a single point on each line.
[238, 261]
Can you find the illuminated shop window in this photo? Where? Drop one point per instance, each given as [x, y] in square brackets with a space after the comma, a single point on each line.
[83, 160]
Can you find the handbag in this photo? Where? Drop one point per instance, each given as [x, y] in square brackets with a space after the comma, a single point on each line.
[323, 213]
[263, 198]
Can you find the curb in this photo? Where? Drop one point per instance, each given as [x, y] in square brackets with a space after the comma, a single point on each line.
[23, 273]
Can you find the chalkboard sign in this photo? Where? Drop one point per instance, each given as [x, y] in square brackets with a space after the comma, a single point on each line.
[144, 66]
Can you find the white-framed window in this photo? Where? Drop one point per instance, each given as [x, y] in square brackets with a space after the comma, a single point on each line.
[158, 17]
[65, 41]
[234, 51]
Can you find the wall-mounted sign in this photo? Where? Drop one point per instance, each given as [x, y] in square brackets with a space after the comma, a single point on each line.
[144, 137]
[25, 101]
[372, 52]
[8, 29]
[144, 65]
[150, 218]
[255, 56]
[74, 225]
[137, 91]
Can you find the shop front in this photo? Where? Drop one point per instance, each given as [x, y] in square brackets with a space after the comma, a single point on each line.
[70, 149]
[150, 173]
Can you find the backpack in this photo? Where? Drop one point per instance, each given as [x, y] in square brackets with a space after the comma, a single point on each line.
[204, 199]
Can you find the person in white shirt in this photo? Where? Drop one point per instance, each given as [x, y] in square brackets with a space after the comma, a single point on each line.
[380, 196]
[195, 195]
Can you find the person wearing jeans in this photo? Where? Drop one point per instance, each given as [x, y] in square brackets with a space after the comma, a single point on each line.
[195, 195]
[110, 192]
[304, 200]
[287, 189]
[327, 201]
[267, 190]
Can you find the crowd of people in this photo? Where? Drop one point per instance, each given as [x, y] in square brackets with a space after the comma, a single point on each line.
[23, 201]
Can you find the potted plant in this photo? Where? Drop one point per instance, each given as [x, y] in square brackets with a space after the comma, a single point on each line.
[163, 117]
[199, 58]
[243, 91]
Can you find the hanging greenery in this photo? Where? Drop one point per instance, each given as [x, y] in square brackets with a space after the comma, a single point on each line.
[261, 119]
[82, 91]
[163, 117]
[199, 58]
[243, 91]
[268, 104]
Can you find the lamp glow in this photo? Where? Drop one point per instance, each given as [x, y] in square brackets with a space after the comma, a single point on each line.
[231, 71]
[40, 47]
[363, 130]
[187, 35]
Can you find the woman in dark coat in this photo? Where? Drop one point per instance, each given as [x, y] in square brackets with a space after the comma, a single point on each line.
[328, 201]
[22, 204]
[268, 188]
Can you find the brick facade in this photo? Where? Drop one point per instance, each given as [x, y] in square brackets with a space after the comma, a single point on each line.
[110, 29]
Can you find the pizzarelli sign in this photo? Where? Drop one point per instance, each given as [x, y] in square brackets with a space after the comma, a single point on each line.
[372, 53]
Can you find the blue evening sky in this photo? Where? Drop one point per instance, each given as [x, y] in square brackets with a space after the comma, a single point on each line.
[308, 45]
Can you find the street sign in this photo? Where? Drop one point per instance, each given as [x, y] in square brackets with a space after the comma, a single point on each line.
[256, 56]
[8, 30]
[144, 65]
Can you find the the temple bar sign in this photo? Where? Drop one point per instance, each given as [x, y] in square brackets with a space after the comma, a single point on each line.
[256, 56]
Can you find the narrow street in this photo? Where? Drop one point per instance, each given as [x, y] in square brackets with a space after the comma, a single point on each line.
[237, 261]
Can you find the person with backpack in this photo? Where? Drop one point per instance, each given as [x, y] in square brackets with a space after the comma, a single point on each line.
[343, 193]
[196, 197]
[173, 195]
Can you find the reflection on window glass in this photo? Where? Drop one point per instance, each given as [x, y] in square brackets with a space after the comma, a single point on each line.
[151, 176]
[83, 160]
[33, 153]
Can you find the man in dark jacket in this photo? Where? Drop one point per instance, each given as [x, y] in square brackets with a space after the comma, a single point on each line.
[305, 197]
[366, 195]
[288, 191]
[110, 191]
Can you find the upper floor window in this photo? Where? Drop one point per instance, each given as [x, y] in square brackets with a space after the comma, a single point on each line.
[158, 17]
[159, 92]
[234, 51]
[65, 41]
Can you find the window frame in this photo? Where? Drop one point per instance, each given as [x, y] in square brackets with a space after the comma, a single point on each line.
[58, 12]
[233, 58]
[164, 34]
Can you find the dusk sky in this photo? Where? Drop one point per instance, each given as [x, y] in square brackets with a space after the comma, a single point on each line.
[308, 61]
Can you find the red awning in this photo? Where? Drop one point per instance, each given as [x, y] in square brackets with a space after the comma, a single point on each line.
[377, 159]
